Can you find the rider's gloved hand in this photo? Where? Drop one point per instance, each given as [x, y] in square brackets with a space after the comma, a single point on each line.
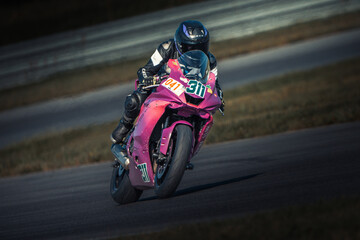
[148, 81]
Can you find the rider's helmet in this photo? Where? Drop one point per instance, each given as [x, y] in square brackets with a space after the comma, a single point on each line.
[191, 35]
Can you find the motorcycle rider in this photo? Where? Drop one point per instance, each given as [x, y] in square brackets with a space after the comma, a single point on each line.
[190, 35]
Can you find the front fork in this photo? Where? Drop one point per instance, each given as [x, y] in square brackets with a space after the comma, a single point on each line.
[163, 144]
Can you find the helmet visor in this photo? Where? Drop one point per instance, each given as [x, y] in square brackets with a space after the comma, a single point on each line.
[199, 46]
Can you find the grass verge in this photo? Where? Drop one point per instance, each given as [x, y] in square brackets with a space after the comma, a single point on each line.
[332, 219]
[83, 80]
[317, 97]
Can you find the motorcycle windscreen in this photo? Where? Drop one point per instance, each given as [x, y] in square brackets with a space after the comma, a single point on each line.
[195, 65]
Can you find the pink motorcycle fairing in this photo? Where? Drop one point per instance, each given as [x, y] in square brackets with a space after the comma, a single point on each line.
[183, 96]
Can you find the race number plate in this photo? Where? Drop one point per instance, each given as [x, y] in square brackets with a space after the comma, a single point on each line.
[174, 86]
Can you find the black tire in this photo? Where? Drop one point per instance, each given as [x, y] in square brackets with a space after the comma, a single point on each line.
[169, 174]
[121, 189]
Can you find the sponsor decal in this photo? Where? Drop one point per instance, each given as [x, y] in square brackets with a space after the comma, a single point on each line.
[209, 90]
[144, 173]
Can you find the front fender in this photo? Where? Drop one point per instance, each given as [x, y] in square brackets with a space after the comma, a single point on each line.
[166, 135]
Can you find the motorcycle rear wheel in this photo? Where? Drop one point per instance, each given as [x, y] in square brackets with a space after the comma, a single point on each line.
[121, 189]
[169, 174]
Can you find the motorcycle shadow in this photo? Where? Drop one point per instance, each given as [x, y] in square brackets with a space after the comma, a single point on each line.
[207, 186]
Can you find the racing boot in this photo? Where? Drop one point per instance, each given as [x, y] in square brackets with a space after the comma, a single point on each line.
[120, 132]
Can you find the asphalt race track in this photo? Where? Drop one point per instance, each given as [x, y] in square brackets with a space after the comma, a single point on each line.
[230, 179]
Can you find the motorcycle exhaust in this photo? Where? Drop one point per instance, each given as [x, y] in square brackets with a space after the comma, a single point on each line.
[120, 156]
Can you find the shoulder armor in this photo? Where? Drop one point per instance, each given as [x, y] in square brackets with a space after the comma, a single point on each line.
[166, 45]
[166, 49]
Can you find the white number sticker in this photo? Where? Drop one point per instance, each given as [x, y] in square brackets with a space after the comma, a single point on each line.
[174, 86]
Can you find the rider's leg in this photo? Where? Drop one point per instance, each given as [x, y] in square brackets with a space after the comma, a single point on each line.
[133, 105]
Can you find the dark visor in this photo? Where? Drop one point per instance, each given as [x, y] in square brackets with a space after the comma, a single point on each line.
[200, 46]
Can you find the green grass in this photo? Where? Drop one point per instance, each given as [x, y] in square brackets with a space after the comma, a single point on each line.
[91, 78]
[317, 97]
[330, 220]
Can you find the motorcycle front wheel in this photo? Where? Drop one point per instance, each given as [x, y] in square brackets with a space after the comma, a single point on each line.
[121, 189]
[170, 172]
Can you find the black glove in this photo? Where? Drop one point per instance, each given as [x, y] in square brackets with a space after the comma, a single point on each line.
[148, 81]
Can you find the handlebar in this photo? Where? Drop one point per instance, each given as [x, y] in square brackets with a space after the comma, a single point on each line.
[151, 86]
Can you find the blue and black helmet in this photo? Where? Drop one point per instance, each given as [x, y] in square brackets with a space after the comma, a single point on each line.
[191, 35]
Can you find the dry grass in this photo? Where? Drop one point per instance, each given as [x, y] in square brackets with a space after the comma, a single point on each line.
[71, 83]
[58, 150]
[317, 97]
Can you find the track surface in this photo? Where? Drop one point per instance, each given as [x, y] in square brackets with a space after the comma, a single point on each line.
[229, 179]
[107, 104]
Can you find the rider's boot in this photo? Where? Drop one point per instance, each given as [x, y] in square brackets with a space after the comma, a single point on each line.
[120, 132]
[118, 138]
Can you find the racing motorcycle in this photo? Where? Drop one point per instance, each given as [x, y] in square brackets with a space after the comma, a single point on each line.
[172, 125]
